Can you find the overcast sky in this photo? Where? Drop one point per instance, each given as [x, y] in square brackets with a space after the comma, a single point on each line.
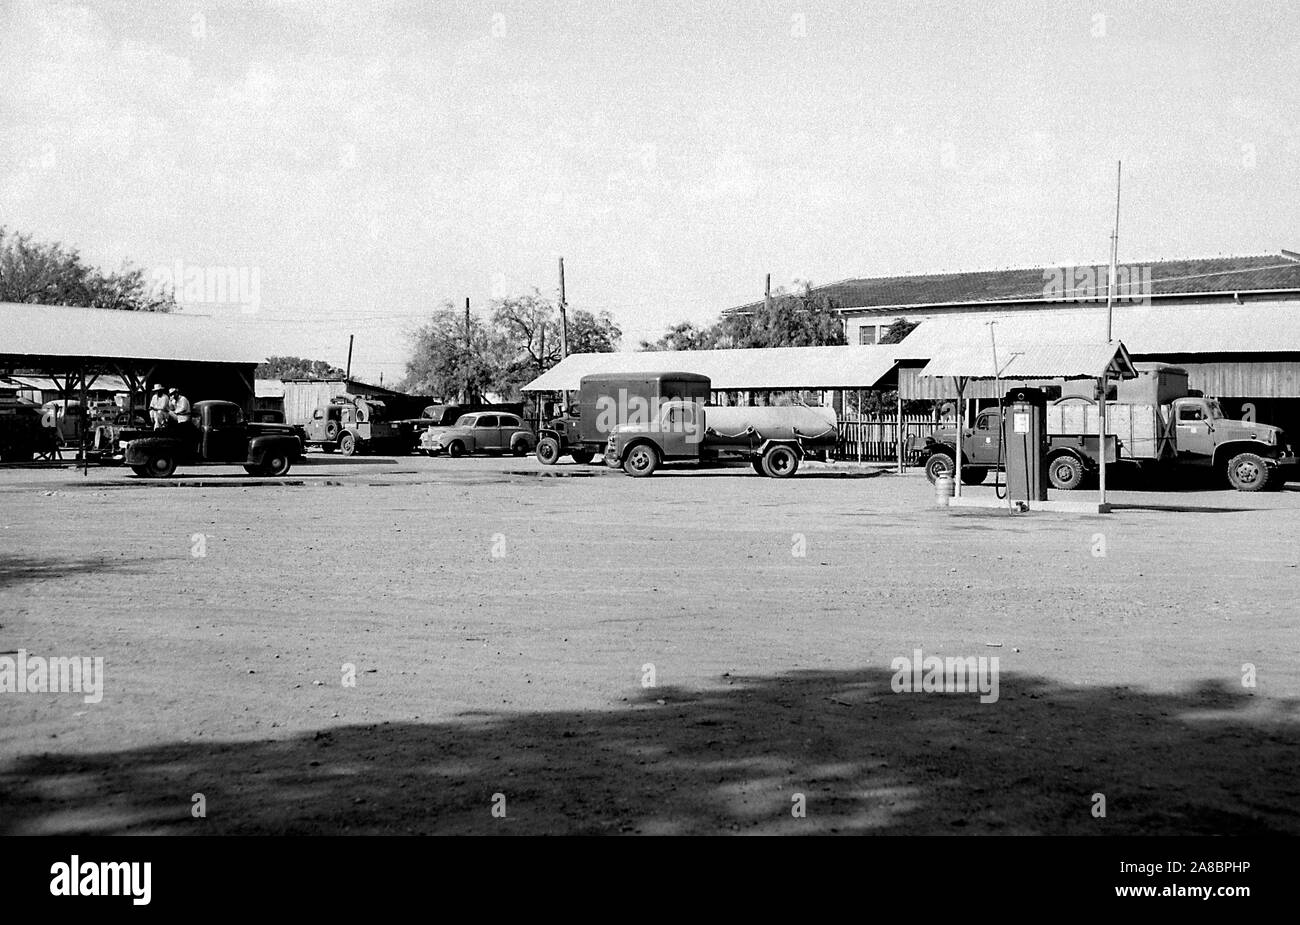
[368, 163]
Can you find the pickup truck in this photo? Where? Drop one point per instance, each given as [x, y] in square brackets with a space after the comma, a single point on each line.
[219, 435]
[1157, 423]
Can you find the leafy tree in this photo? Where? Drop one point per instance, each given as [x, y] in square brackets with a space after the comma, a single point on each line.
[895, 333]
[50, 274]
[296, 368]
[448, 364]
[687, 335]
[593, 332]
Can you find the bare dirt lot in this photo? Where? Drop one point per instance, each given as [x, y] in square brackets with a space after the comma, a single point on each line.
[502, 621]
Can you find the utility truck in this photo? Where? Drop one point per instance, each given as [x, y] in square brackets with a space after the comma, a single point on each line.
[606, 400]
[1153, 422]
[774, 440]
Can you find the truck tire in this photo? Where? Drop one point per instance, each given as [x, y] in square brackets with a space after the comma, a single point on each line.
[160, 467]
[582, 456]
[1277, 478]
[1065, 472]
[142, 471]
[641, 461]
[780, 462]
[348, 445]
[1248, 472]
[332, 430]
[548, 451]
[973, 475]
[939, 464]
[328, 447]
[758, 466]
[275, 464]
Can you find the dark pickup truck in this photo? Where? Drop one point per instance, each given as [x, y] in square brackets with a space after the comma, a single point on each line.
[218, 435]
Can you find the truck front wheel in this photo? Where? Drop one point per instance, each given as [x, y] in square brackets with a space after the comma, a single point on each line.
[1065, 473]
[160, 467]
[548, 451]
[780, 462]
[1248, 472]
[642, 460]
[348, 445]
[973, 475]
[582, 457]
[939, 464]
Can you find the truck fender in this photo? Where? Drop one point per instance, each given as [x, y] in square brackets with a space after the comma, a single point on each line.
[1086, 461]
[259, 447]
[139, 451]
[768, 444]
[1224, 452]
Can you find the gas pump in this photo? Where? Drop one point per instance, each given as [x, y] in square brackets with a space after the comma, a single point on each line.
[1024, 441]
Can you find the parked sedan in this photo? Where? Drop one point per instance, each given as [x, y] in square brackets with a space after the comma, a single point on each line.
[480, 433]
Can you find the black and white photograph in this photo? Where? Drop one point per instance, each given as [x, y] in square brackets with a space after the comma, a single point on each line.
[650, 418]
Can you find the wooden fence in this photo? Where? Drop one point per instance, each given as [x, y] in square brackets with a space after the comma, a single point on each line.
[874, 438]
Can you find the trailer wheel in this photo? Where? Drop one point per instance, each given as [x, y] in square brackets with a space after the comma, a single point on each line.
[1065, 473]
[1248, 472]
[780, 462]
[642, 460]
[939, 464]
[582, 457]
[548, 451]
[348, 445]
[973, 475]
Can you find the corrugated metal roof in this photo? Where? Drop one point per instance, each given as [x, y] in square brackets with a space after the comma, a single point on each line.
[846, 367]
[1251, 327]
[1167, 277]
[103, 383]
[62, 331]
[1031, 361]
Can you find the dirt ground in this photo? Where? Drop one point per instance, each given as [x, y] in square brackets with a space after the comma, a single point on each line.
[504, 620]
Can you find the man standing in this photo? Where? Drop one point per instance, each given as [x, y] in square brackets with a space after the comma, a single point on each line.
[179, 406]
[159, 407]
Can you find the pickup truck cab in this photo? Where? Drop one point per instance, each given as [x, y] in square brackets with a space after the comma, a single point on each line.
[218, 435]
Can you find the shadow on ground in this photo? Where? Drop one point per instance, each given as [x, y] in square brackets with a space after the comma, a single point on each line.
[18, 570]
[725, 760]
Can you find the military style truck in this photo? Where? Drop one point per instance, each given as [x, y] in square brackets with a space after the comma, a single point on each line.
[1155, 420]
[772, 439]
[352, 424]
[218, 435]
[606, 400]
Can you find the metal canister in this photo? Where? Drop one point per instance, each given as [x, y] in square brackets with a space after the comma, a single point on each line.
[943, 489]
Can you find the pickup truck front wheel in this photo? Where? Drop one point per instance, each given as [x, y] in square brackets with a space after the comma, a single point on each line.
[642, 460]
[1248, 472]
[158, 467]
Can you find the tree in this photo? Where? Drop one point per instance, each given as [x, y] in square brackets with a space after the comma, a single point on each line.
[687, 335]
[50, 274]
[593, 332]
[447, 363]
[296, 368]
[528, 331]
[895, 333]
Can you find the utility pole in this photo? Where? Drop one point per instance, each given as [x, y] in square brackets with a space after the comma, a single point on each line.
[347, 374]
[767, 295]
[468, 353]
[564, 316]
[1103, 384]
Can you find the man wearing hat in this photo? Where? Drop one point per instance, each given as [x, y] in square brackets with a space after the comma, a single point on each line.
[179, 406]
[159, 407]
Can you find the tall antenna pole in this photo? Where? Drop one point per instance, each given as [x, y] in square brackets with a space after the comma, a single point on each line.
[468, 351]
[1114, 257]
[347, 373]
[564, 316]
